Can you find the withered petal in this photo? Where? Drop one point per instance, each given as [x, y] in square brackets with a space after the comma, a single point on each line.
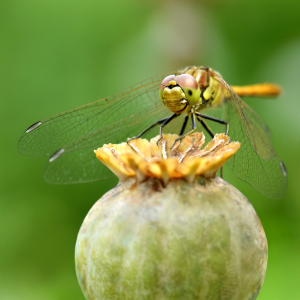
[143, 159]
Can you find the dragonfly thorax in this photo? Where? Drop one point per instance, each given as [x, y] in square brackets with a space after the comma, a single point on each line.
[211, 92]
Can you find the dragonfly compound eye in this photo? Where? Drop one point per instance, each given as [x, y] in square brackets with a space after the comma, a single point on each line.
[190, 87]
[164, 84]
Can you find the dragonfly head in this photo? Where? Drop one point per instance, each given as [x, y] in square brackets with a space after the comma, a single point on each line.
[179, 92]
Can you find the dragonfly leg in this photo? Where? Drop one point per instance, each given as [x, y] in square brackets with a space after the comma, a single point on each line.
[193, 129]
[184, 124]
[148, 128]
[215, 120]
[206, 127]
[166, 121]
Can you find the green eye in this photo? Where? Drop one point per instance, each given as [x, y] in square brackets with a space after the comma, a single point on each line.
[192, 95]
[190, 87]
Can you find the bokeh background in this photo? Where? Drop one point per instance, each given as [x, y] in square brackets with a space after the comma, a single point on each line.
[59, 54]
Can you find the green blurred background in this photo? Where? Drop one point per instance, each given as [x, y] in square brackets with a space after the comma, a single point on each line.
[56, 55]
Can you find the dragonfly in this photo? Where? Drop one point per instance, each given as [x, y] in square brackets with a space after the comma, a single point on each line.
[175, 102]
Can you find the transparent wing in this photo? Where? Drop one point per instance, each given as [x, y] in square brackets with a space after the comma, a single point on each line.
[256, 162]
[81, 165]
[53, 133]
[70, 137]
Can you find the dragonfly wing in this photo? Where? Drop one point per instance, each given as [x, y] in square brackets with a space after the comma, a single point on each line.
[256, 162]
[70, 137]
[76, 167]
[51, 134]
[75, 163]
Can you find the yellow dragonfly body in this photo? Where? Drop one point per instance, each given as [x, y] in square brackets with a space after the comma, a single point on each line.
[69, 138]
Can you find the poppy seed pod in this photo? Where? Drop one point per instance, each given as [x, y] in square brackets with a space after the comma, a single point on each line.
[171, 229]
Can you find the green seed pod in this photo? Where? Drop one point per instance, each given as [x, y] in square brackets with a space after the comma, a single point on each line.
[171, 239]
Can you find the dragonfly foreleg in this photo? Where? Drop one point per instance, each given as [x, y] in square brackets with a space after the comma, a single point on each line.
[193, 129]
[148, 128]
[165, 122]
[184, 124]
[215, 120]
[205, 126]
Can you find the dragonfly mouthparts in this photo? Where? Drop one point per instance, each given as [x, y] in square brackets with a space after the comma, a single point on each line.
[171, 86]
